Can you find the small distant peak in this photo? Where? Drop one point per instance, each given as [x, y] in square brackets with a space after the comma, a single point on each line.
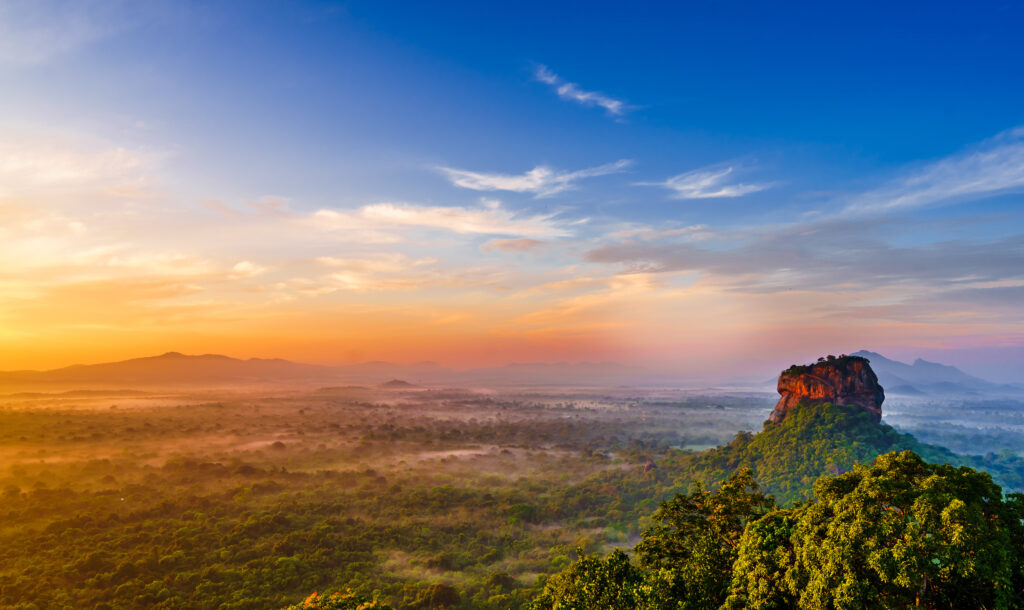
[397, 383]
[172, 355]
[868, 354]
[921, 363]
[217, 356]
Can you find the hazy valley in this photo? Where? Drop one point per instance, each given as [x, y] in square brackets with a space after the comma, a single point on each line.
[421, 496]
[265, 497]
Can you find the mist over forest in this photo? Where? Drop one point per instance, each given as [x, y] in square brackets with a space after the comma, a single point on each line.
[414, 496]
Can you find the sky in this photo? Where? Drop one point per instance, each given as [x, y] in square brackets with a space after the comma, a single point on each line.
[699, 187]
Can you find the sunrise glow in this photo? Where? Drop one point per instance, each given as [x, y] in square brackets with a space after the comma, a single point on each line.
[298, 184]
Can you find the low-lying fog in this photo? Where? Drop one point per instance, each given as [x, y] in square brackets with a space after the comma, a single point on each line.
[248, 499]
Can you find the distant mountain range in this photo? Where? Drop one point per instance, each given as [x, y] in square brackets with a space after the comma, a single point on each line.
[923, 378]
[175, 370]
[170, 369]
[213, 370]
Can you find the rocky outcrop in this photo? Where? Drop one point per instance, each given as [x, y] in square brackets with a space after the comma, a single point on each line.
[846, 380]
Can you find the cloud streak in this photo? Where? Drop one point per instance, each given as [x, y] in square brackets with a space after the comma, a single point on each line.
[31, 164]
[489, 219]
[37, 31]
[707, 184]
[519, 244]
[392, 271]
[837, 255]
[573, 93]
[995, 166]
[541, 181]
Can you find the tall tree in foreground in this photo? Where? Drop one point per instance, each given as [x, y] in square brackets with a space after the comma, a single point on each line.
[695, 539]
[592, 582]
[901, 533]
[685, 558]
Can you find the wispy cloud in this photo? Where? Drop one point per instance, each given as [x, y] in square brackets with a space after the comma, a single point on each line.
[707, 184]
[829, 256]
[218, 206]
[36, 31]
[383, 263]
[30, 163]
[388, 271]
[488, 219]
[994, 166]
[270, 205]
[572, 92]
[519, 244]
[646, 233]
[542, 181]
[243, 269]
[383, 271]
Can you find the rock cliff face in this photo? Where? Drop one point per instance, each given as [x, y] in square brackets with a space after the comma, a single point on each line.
[847, 380]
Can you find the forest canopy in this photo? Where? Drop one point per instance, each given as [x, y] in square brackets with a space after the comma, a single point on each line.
[411, 499]
[895, 534]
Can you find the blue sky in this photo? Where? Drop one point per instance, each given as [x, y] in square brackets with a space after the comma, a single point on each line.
[590, 175]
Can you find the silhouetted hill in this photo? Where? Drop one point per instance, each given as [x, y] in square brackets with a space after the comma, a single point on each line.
[397, 384]
[176, 369]
[172, 369]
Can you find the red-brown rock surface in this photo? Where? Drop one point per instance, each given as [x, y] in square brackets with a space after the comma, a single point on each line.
[847, 380]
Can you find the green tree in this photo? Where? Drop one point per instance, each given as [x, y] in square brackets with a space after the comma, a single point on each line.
[694, 540]
[907, 532]
[592, 582]
[765, 559]
[901, 533]
[339, 601]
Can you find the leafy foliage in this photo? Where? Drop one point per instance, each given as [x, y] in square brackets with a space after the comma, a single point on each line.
[841, 363]
[339, 601]
[764, 558]
[813, 440]
[685, 557]
[592, 582]
[900, 533]
[695, 538]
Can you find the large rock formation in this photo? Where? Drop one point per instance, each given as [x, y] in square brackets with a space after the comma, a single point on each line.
[846, 380]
